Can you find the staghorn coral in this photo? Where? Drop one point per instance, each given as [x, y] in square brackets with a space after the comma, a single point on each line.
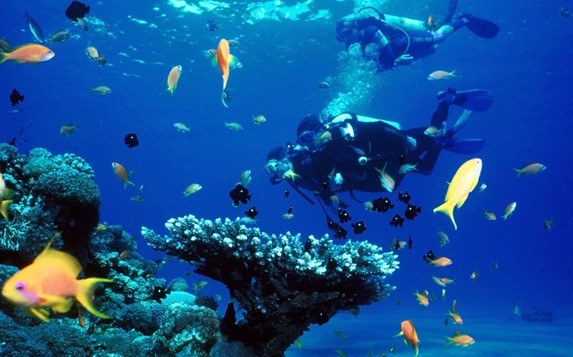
[283, 285]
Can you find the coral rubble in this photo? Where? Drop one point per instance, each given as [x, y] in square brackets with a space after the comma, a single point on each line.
[282, 284]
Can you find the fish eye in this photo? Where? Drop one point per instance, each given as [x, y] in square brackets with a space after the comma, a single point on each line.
[20, 285]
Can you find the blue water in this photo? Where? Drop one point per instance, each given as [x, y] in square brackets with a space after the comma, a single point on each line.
[527, 67]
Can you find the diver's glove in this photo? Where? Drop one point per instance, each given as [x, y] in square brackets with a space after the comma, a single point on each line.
[298, 147]
[405, 59]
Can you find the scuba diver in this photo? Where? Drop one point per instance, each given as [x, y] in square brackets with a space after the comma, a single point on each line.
[394, 40]
[350, 152]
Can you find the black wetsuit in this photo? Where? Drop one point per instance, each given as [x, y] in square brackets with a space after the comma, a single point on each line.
[417, 44]
[383, 146]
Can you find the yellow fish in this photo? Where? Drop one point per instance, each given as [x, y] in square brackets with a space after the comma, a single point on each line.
[173, 78]
[51, 281]
[387, 182]
[509, 210]
[464, 182]
[101, 90]
[490, 216]
[259, 119]
[191, 189]
[290, 174]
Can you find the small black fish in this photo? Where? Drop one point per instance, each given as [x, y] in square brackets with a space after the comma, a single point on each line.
[404, 197]
[289, 211]
[333, 226]
[287, 192]
[412, 211]
[159, 293]
[397, 220]
[16, 97]
[325, 186]
[358, 227]
[251, 212]
[343, 216]
[240, 194]
[410, 242]
[429, 256]
[77, 10]
[340, 233]
[382, 204]
[446, 321]
[12, 142]
[211, 25]
[131, 140]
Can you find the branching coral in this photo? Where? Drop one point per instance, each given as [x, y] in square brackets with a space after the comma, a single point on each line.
[283, 285]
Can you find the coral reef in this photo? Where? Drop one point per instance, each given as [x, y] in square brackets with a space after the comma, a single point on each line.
[51, 194]
[57, 193]
[282, 284]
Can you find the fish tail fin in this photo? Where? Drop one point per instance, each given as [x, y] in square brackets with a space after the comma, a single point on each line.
[447, 208]
[518, 172]
[4, 208]
[85, 294]
[127, 183]
[3, 57]
[223, 99]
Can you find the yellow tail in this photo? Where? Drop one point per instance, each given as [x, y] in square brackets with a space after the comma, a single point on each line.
[447, 208]
[85, 294]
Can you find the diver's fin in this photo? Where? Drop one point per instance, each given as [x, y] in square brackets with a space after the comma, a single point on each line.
[476, 100]
[462, 146]
[480, 27]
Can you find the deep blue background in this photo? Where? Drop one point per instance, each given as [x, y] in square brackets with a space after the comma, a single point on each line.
[527, 67]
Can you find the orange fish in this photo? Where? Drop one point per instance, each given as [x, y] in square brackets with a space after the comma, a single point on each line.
[460, 339]
[121, 172]
[173, 78]
[422, 298]
[226, 62]
[30, 53]
[441, 262]
[442, 281]
[223, 59]
[410, 336]
[456, 317]
[51, 281]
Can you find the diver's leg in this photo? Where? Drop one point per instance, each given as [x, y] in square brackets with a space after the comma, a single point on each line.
[439, 117]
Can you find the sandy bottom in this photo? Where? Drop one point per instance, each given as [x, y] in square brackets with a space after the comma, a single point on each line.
[496, 334]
